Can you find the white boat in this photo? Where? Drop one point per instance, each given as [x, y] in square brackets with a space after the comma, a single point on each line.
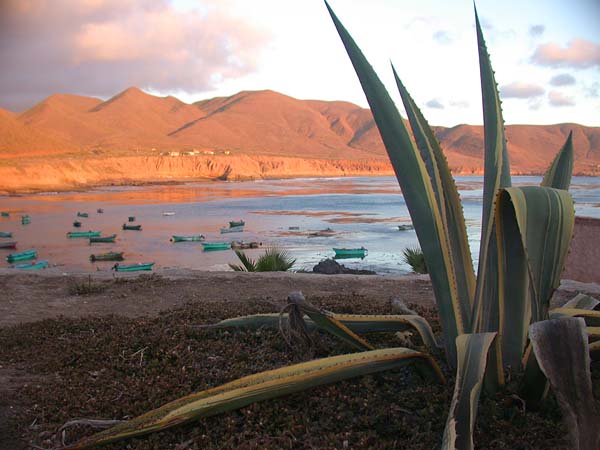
[168, 213]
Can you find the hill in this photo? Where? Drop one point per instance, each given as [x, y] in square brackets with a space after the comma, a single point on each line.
[262, 133]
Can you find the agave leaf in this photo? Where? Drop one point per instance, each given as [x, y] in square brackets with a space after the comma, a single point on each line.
[417, 191]
[328, 322]
[591, 317]
[496, 175]
[535, 226]
[354, 322]
[472, 350]
[559, 173]
[263, 386]
[447, 197]
[593, 333]
[595, 351]
[582, 301]
[562, 351]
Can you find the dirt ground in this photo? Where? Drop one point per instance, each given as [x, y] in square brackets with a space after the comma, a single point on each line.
[29, 298]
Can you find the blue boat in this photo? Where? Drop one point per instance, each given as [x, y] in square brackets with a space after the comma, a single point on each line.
[23, 256]
[33, 265]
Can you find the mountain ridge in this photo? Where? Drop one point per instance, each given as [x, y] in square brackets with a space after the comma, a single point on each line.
[255, 124]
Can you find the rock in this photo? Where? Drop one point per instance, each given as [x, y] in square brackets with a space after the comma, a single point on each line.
[332, 267]
[399, 307]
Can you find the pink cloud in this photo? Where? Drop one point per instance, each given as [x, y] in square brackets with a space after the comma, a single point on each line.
[579, 53]
[99, 47]
[521, 90]
[557, 98]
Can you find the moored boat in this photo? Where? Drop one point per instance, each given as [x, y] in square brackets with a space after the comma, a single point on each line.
[25, 220]
[216, 246]
[8, 244]
[168, 213]
[132, 227]
[5, 234]
[237, 229]
[236, 223]
[405, 227]
[77, 224]
[83, 234]
[82, 214]
[102, 238]
[109, 256]
[350, 252]
[195, 238]
[100, 211]
[22, 256]
[133, 267]
[4, 214]
[131, 219]
[33, 265]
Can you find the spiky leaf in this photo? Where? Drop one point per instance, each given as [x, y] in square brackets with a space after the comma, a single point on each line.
[263, 386]
[559, 173]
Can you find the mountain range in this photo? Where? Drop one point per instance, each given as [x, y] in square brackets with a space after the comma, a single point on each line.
[69, 141]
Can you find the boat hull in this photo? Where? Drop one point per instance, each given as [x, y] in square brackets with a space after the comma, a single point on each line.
[209, 246]
[5, 234]
[341, 253]
[33, 266]
[237, 229]
[132, 227]
[187, 238]
[9, 244]
[83, 234]
[94, 239]
[111, 256]
[23, 256]
[134, 267]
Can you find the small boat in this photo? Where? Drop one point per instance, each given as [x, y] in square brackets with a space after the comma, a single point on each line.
[100, 211]
[33, 265]
[77, 224]
[245, 245]
[293, 228]
[8, 244]
[23, 256]
[110, 256]
[6, 234]
[322, 233]
[236, 223]
[131, 218]
[237, 229]
[102, 238]
[83, 234]
[350, 252]
[133, 267]
[216, 246]
[132, 227]
[25, 220]
[405, 227]
[80, 214]
[5, 214]
[168, 213]
[195, 238]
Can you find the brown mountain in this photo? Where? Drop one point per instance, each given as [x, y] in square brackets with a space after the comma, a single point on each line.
[250, 134]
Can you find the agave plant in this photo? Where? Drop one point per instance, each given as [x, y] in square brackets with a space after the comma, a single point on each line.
[485, 318]
[273, 260]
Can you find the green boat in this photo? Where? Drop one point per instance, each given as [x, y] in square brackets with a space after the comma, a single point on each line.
[25, 220]
[5, 214]
[80, 214]
[132, 227]
[6, 234]
[237, 229]
[208, 246]
[133, 267]
[83, 234]
[110, 256]
[350, 252]
[405, 227]
[22, 256]
[236, 223]
[194, 238]
[33, 265]
[102, 238]
[131, 218]
[77, 224]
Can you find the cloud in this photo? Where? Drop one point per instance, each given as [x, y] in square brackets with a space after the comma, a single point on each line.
[521, 90]
[99, 47]
[443, 37]
[536, 30]
[434, 103]
[578, 54]
[593, 90]
[563, 79]
[459, 103]
[556, 98]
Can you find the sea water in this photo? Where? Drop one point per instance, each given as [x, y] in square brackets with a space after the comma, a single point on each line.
[361, 211]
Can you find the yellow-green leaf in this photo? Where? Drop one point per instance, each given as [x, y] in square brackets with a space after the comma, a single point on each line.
[559, 173]
[263, 386]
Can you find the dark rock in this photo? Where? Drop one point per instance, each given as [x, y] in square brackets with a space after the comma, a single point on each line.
[332, 267]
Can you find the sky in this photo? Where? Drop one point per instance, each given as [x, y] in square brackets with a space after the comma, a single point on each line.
[546, 53]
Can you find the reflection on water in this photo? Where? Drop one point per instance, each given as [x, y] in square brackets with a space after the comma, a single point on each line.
[362, 211]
